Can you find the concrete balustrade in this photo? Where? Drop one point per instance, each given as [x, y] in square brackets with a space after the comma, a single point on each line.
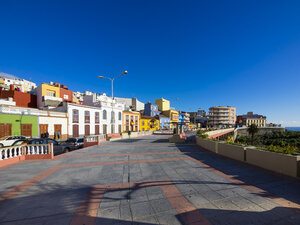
[277, 162]
[15, 154]
[280, 163]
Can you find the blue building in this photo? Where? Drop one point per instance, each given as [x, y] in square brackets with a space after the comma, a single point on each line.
[151, 109]
[164, 122]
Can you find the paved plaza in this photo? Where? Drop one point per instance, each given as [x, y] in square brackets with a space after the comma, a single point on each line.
[145, 180]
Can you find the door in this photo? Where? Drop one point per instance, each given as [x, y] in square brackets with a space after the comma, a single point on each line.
[87, 130]
[75, 130]
[57, 130]
[120, 128]
[43, 129]
[104, 129]
[5, 129]
[26, 130]
[112, 129]
[97, 132]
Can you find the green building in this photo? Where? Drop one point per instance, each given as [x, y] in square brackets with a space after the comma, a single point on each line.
[15, 125]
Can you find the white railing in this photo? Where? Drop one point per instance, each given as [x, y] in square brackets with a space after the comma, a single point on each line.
[15, 151]
[37, 149]
[11, 152]
[94, 138]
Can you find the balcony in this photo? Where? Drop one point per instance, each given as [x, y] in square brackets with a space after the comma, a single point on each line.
[51, 101]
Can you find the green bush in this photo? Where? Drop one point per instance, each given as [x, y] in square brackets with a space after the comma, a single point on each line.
[202, 134]
[287, 142]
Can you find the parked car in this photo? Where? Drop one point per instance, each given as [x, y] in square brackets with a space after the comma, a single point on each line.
[74, 143]
[8, 141]
[58, 148]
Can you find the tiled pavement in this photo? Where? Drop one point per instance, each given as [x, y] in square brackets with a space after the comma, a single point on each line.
[145, 181]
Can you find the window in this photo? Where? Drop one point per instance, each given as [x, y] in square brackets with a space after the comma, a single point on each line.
[127, 119]
[50, 93]
[143, 123]
[86, 116]
[97, 117]
[104, 114]
[66, 96]
[112, 116]
[75, 116]
[120, 116]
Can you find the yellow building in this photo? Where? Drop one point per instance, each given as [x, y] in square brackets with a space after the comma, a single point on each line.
[48, 95]
[149, 123]
[174, 117]
[163, 104]
[131, 121]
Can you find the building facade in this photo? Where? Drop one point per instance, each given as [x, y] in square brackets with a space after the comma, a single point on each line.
[30, 122]
[21, 99]
[111, 112]
[20, 84]
[174, 117]
[250, 118]
[164, 122]
[48, 95]
[131, 104]
[222, 117]
[148, 123]
[163, 104]
[151, 109]
[131, 121]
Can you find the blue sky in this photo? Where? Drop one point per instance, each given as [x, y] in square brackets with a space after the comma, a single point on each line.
[244, 54]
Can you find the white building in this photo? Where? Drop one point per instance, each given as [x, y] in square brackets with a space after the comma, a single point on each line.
[131, 103]
[22, 84]
[98, 114]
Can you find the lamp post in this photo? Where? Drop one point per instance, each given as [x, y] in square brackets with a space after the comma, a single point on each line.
[112, 81]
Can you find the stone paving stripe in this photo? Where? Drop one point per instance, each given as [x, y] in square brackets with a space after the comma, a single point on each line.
[188, 213]
[256, 190]
[86, 213]
[12, 192]
[124, 162]
[125, 154]
[23, 186]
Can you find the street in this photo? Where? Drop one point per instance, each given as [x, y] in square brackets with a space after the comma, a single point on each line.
[145, 180]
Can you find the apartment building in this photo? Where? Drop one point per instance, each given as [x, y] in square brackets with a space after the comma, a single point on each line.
[250, 118]
[222, 117]
[20, 84]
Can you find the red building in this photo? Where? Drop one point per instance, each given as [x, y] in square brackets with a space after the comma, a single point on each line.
[22, 99]
[66, 94]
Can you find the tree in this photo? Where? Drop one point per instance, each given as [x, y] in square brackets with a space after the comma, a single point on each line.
[252, 130]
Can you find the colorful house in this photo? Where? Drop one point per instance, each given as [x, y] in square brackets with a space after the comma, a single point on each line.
[21, 99]
[52, 95]
[149, 123]
[131, 121]
[151, 109]
[164, 122]
[16, 121]
[163, 104]
[174, 117]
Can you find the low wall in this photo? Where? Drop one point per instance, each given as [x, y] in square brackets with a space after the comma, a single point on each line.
[243, 131]
[207, 144]
[280, 163]
[232, 151]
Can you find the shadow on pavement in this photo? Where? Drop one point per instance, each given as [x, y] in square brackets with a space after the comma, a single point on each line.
[274, 184]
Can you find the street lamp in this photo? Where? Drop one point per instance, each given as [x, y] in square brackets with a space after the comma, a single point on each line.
[112, 81]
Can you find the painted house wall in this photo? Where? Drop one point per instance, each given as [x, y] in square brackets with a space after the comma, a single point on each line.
[131, 127]
[22, 99]
[163, 104]
[149, 124]
[151, 109]
[17, 120]
[66, 95]
[164, 123]
[53, 118]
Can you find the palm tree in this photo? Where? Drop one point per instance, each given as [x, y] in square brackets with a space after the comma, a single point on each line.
[252, 130]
